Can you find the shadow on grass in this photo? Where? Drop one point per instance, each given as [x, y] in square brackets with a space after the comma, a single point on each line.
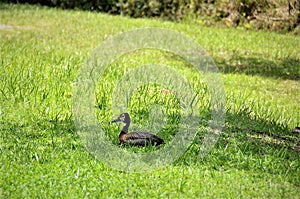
[242, 125]
[251, 144]
[287, 68]
[246, 143]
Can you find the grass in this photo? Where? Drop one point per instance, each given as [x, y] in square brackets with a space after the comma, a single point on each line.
[42, 155]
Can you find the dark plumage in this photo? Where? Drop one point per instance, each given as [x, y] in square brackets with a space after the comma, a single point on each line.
[135, 138]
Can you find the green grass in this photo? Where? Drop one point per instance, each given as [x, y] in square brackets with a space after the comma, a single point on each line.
[42, 156]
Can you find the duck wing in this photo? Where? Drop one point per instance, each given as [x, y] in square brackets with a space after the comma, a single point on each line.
[142, 139]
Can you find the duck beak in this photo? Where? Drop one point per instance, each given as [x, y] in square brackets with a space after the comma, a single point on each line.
[115, 120]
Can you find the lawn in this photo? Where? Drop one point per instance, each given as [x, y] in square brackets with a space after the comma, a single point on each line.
[42, 155]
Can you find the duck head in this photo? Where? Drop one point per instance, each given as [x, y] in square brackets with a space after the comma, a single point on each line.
[124, 117]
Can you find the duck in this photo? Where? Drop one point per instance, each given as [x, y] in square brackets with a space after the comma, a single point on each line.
[135, 138]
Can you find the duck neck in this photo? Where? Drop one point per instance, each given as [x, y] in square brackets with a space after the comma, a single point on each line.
[125, 127]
